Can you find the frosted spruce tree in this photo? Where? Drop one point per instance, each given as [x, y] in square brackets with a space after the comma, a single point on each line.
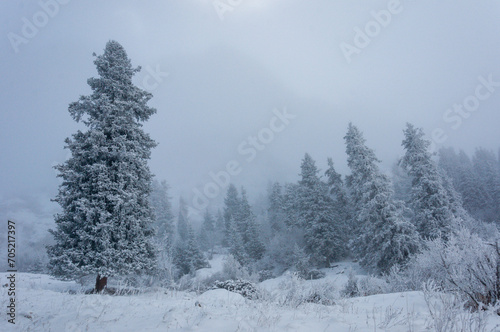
[323, 229]
[164, 228]
[474, 196]
[182, 221]
[231, 211]
[459, 168]
[431, 203]
[164, 218]
[207, 236]
[105, 227]
[340, 203]
[242, 233]
[250, 231]
[187, 254]
[383, 235]
[276, 213]
[487, 170]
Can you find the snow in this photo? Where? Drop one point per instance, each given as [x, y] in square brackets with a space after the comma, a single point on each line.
[221, 297]
[46, 304]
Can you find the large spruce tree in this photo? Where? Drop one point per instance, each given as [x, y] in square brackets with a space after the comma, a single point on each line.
[105, 226]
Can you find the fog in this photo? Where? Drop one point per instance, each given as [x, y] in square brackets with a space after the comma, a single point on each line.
[290, 74]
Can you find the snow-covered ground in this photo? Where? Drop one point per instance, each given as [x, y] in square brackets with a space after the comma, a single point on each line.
[46, 304]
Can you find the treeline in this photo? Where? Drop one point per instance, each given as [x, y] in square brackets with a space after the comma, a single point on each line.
[326, 217]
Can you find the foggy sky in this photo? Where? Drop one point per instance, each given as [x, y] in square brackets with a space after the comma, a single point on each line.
[228, 77]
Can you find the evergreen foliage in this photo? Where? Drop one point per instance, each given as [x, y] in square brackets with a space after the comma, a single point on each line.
[384, 236]
[430, 201]
[105, 226]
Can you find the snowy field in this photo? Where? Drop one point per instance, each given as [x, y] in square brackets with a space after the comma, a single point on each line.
[46, 304]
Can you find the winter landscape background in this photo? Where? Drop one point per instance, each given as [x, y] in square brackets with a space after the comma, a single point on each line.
[319, 165]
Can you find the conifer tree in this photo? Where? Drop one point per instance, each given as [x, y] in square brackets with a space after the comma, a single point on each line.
[162, 209]
[291, 208]
[384, 237]
[105, 227]
[276, 213]
[235, 243]
[242, 233]
[164, 228]
[194, 254]
[220, 228]
[249, 230]
[323, 229]
[231, 210]
[182, 221]
[340, 204]
[207, 237]
[402, 184]
[430, 201]
[485, 166]
[187, 254]
[472, 181]
[474, 196]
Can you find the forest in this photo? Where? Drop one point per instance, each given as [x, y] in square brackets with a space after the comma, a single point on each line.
[433, 219]
[257, 165]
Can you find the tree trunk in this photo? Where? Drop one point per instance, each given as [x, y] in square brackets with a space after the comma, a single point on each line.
[100, 283]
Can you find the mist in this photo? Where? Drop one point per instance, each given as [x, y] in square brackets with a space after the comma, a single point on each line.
[220, 75]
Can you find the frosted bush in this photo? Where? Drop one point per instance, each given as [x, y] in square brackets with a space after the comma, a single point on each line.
[363, 286]
[351, 287]
[231, 270]
[243, 287]
[295, 291]
[371, 286]
[447, 312]
[466, 264]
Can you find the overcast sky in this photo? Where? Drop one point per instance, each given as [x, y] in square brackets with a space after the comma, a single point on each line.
[220, 71]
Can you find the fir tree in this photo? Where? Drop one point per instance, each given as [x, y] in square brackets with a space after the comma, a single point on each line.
[242, 233]
[401, 182]
[384, 237]
[182, 222]
[473, 194]
[220, 228]
[187, 254]
[105, 224]
[302, 261]
[362, 162]
[249, 230]
[323, 229]
[181, 259]
[276, 213]
[164, 228]
[340, 204]
[231, 210]
[430, 201]
[194, 255]
[485, 167]
[291, 202]
[254, 246]
[162, 209]
[207, 237]
[235, 243]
